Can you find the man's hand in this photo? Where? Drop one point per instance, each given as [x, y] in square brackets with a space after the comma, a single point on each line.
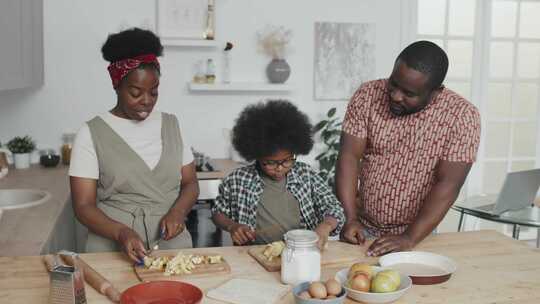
[390, 243]
[353, 232]
[172, 224]
[132, 244]
[241, 234]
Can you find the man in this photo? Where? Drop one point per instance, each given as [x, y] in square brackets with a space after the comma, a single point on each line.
[416, 141]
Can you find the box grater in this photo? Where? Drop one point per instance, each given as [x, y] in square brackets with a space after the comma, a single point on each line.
[66, 284]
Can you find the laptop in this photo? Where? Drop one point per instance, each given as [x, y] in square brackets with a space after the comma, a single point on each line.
[518, 192]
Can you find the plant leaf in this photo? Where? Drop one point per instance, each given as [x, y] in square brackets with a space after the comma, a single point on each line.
[331, 112]
[320, 125]
[336, 133]
[326, 136]
[320, 156]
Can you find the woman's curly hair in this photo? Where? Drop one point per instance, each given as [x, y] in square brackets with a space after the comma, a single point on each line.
[131, 43]
[265, 128]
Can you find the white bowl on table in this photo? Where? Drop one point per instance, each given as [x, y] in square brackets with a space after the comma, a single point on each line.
[424, 268]
[374, 297]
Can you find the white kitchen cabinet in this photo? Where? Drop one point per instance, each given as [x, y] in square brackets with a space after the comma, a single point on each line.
[21, 44]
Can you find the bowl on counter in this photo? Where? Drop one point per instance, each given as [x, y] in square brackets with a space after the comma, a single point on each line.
[374, 297]
[49, 161]
[424, 268]
[162, 292]
[22, 198]
[48, 158]
[340, 298]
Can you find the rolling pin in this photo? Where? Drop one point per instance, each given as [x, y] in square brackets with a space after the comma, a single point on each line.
[92, 277]
[49, 262]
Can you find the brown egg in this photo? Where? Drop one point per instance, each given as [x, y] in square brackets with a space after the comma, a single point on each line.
[317, 290]
[331, 297]
[333, 287]
[304, 295]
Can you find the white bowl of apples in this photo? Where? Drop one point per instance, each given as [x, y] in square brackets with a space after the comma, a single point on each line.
[372, 284]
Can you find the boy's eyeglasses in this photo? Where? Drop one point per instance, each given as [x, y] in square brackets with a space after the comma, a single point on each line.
[274, 164]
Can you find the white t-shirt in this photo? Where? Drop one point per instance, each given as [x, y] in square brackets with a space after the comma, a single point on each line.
[144, 137]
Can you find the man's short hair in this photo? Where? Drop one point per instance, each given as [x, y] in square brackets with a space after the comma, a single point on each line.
[427, 58]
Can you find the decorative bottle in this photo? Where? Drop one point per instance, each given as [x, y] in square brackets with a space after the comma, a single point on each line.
[227, 63]
[210, 71]
[209, 32]
[67, 146]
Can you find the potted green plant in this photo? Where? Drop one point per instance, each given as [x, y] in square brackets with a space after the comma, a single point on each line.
[330, 131]
[21, 147]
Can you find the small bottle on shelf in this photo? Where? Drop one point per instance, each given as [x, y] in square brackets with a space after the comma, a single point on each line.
[209, 32]
[200, 74]
[210, 71]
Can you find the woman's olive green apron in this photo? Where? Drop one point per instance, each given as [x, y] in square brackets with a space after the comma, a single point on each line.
[128, 191]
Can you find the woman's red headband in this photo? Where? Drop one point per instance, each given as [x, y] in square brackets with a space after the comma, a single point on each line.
[119, 69]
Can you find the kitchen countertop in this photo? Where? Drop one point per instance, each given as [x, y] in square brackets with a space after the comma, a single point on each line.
[25, 231]
[222, 166]
[492, 268]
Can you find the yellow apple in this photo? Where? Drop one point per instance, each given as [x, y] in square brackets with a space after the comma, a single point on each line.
[386, 281]
[360, 267]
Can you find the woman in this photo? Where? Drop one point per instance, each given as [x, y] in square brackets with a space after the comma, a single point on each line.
[258, 203]
[132, 178]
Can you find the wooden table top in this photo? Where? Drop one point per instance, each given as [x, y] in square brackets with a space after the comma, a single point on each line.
[492, 268]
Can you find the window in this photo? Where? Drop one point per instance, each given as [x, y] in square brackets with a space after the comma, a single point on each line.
[494, 52]
[451, 24]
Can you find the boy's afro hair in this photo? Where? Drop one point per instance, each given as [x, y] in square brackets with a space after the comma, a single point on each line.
[265, 128]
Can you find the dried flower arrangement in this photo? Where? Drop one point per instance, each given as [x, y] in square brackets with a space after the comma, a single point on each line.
[273, 40]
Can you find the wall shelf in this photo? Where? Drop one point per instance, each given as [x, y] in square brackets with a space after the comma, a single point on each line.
[191, 43]
[239, 87]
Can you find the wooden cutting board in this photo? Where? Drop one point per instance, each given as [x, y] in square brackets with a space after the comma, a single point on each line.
[336, 253]
[146, 275]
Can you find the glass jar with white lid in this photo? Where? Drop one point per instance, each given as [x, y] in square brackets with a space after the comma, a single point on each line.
[301, 258]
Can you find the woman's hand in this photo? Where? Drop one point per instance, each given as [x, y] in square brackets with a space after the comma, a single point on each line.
[132, 244]
[172, 224]
[241, 234]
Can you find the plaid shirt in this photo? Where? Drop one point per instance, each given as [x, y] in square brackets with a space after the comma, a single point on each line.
[240, 193]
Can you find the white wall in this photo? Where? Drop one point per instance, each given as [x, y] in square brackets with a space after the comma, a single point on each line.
[77, 85]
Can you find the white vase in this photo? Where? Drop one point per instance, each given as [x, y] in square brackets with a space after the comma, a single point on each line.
[21, 160]
[226, 66]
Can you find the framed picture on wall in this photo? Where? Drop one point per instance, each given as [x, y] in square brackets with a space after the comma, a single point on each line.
[182, 19]
[344, 59]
